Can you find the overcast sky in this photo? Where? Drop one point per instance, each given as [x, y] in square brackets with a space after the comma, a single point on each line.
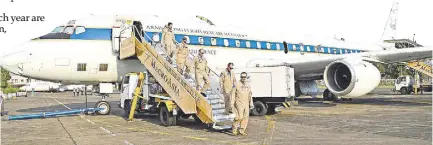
[355, 20]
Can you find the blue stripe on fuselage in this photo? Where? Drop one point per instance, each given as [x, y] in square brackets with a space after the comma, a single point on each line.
[105, 34]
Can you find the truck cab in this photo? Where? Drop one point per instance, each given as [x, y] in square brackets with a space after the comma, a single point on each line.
[404, 84]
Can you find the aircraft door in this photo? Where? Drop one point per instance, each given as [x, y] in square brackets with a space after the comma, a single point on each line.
[120, 32]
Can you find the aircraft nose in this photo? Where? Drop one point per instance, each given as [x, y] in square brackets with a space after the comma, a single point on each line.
[13, 62]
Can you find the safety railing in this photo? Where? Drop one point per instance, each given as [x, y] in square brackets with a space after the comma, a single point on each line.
[203, 107]
[191, 57]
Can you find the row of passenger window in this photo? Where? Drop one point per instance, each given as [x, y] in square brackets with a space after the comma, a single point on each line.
[83, 67]
[81, 32]
[239, 43]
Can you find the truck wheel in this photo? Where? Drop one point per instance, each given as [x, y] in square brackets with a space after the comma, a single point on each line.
[403, 91]
[297, 90]
[260, 109]
[105, 105]
[271, 109]
[166, 117]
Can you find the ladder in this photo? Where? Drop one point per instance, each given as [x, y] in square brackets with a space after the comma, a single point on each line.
[181, 90]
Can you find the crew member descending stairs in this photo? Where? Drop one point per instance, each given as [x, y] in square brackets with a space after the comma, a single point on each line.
[181, 90]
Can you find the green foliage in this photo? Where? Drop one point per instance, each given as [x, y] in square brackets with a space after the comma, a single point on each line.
[393, 71]
[10, 89]
[381, 67]
[5, 76]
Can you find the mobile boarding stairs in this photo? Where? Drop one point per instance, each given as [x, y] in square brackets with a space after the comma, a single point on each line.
[181, 91]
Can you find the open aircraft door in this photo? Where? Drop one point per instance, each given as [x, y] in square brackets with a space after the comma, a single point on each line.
[118, 35]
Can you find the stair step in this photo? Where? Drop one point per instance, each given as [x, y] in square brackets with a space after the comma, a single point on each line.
[220, 118]
[218, 111]
[215, 101]
[209, 92]
[190, 81]
[222, 127]
[218, 106]
[213, 97]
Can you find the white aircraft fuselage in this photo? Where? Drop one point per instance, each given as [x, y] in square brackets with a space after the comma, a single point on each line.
[86, 51]
[88, 55]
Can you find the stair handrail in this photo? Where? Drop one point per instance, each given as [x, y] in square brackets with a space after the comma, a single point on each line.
[156, 43]
[191, 58]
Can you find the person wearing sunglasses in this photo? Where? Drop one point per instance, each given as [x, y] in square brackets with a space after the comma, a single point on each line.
[182, 54]
[243, 104]
[227, 85]
[201, 71]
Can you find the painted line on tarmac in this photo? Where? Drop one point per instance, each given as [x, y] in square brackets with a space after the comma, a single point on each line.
[270, 129]
[91, 122]
[60, 102]
[128, 143]
[107, 131]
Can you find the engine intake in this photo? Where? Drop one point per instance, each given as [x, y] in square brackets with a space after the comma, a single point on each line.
[351, 78]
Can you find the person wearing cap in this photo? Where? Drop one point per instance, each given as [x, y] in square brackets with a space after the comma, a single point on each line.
[168, 39]
[243, 104]
[227, 85]
[181, 57]
[201, 71]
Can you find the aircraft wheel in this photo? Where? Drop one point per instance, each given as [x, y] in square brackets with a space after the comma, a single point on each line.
[260, 109]
[105, 105]
[329, 96]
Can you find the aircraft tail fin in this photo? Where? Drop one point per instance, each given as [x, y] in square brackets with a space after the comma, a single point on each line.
[390, 29]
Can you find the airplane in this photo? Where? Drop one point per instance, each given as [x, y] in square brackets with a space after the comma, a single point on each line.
[86, 51]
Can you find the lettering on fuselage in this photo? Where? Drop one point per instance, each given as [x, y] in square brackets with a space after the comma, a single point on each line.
[195, 51]
[198, 31]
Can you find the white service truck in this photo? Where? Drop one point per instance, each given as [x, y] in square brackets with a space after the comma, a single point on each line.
[270, 86]
[406, 85]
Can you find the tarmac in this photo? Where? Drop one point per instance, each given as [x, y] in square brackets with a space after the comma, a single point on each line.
[381, 117]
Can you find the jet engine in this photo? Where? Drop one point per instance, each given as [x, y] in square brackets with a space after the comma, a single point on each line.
[351, 78]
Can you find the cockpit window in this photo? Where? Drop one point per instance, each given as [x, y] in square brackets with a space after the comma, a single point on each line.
[58, 29]
[401, 79]
[69, 30]
[79, 30]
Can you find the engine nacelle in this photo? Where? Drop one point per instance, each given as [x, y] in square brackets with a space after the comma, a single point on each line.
[351, 78]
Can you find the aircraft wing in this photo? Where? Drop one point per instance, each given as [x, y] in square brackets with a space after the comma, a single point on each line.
[312, 68]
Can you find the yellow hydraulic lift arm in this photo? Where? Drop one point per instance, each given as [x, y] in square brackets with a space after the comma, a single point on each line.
[136, 95]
